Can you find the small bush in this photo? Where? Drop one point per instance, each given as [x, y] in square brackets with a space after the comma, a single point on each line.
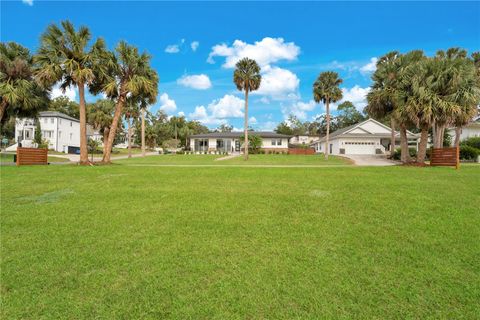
[473, 142]
[397, 154]
[469, 153]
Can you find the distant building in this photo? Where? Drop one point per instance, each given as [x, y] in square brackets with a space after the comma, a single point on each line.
[230, 141]
[468, 131]
[368, 137]
[303, 139]
[60, 130]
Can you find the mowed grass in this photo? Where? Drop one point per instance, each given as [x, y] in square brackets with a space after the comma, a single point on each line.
[233, 243]
[254, 160]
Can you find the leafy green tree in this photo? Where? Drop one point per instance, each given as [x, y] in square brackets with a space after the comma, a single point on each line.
[284, 128]
[65, 56]
[126, 73]
[20, 94]
[247, 78]
[254, 142]
[37, 137]
[348, 115]
[224, 128]
[64, 105]
[326, 89]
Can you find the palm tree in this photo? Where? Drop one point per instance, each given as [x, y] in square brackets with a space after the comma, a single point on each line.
[66, 57]
[131, 112]
[100, 116]
[326, 89]
[143, 109]
[247, 78]
[20, 94]
[381, 98]
[186, 131]
[127, 73]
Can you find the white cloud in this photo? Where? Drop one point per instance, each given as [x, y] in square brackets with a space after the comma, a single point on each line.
[167, 105]
[267, 51]
[181, 114]
[369, 67]
[219, 110]
[28, 2]
[194, 45]
[278, 83]
[56, 92]
[227, 107]
[173, 48]
[299, 109]
[197, 81]
[268, 126]
[252, 120]
[357, 95]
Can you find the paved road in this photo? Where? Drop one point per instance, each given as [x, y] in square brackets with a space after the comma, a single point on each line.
[371, 160]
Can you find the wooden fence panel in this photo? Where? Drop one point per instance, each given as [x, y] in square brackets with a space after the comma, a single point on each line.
[28, 156]
[303, 151]
[445, 157]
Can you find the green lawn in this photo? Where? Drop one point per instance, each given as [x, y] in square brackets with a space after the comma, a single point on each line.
[131, 242]
[8, 158]
[255, 159]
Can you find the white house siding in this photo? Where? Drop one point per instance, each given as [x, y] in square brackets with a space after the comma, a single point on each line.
[59, 132]
[267, 143]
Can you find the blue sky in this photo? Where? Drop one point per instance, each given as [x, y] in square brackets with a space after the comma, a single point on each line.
[195, 44]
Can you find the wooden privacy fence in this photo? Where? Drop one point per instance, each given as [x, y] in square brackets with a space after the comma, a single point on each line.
[304, 151]
[445, 157]
[26, 156]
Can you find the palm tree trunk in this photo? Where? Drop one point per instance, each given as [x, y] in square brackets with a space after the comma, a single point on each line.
[392, 137]
[458, 132]
[143, 132]
[405, 154]
[327, 136]
[422, 147]
[107, 149]
[3, 108]
[83, 125]
[438, 136]
[246, 125]
[105, 138]
[129, 137]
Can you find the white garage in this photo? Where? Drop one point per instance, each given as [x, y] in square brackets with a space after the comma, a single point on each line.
[369, 137]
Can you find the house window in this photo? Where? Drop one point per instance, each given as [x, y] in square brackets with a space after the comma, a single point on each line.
[279, 142]
[51, 120]
[59, 134]
[60, 121]
[274, 142]
[71, 135]
[45, 120]
[71, 124]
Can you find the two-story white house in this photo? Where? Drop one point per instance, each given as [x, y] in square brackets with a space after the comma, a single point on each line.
[60, 130]
[231, 141]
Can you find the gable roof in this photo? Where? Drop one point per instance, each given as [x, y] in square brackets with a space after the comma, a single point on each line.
[347, 130]
[56, 114]
[238, 134]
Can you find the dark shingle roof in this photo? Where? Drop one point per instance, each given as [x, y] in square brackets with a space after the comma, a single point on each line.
[238, 134]
[56, 114]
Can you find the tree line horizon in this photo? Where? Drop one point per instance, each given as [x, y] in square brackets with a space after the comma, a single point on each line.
[409, 91]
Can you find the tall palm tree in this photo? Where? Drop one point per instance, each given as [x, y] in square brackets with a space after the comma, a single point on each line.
[326, 89]
[100, 116]
[20, 94]
[247, 78]
[186, 131]
[127, 73]
[143, 109]
[131, 112]
[66, 57]
[381, 98]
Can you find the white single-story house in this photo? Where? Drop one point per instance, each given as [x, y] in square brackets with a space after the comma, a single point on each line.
[470, 130]
[230, 141]
[304, 139]
[368, 137]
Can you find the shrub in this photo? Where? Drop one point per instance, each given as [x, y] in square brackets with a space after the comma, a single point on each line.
[397, 154]
[469, 153]
[473, 142]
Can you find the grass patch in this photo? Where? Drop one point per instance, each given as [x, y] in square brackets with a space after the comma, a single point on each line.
[255, 159]
[280, 243]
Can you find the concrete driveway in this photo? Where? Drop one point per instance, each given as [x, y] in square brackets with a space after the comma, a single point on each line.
[371, 160]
